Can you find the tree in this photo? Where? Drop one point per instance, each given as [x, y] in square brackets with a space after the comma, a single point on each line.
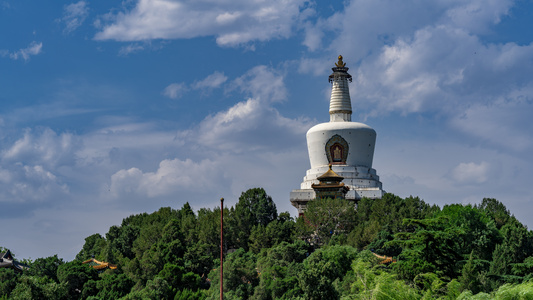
[322, 268]
[518, 291]
[124, 242]
[441, 243]
[157, 288]
[280, 230]
[46, 267]
[198, 259]
[187, 294]
[94, 244]
[240, 275]
[371, 281]
[8, 281]
[524, 269]
[279, 268]
[431, 248]
[171, 245]
[329, 217]
[33, 287]
[495, 210]
[74, 275]
[200, 253]
[255, 207]
[516, 246]
[113, 286]
[386, 214]
[188, 224]
[381, 245]
[177, 279]
[470, 276]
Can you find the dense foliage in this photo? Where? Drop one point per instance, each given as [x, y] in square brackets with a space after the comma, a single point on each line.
[335, 252]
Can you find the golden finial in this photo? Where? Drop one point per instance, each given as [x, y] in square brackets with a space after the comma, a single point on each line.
[340, 63]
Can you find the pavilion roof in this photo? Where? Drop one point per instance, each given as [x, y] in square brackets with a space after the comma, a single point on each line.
[99, 265]
[330, 175]
[7, 261]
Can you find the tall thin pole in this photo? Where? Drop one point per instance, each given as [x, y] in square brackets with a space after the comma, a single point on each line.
[221, 248]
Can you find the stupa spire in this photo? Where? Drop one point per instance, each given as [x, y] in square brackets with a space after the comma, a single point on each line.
[340, 104]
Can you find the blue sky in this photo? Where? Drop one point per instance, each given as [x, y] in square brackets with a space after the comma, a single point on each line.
[112, 108]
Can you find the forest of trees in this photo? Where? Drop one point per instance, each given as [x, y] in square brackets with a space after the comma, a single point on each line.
[454, 252]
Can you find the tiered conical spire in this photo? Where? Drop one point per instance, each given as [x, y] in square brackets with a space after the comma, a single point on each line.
[340, 104]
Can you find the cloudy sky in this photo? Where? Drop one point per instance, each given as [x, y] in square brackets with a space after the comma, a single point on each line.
[112, 108]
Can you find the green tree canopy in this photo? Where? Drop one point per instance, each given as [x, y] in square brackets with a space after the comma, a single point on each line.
[254, 208]
[328, 217]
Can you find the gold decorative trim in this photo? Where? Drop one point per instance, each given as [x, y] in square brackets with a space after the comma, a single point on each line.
[340, 63]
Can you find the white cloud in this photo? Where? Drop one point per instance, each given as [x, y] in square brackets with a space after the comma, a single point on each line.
[232, 22]
[418, 57]
[249, 135]
[33, 49]
[47, 169]
[477, 16]
[43, 147]
[214, 80]
[442, 69]
[221, 155]
[22, 184]
[313, 36]
[505, 124]
[365, 26]
[228, 18]
[172, 177]
[448, 169]
[247, 146]
[175, 90]
[249, 126]
[424, 73]
[123, 143]
[263, 83]
[315, 66]
[178, 89]
[29, 172]
[132, 48]
[465, 173]
[74, 15]
[252, 124]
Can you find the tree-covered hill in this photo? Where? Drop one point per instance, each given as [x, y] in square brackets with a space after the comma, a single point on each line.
[335, 252]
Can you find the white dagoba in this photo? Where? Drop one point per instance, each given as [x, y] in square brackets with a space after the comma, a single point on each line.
[348, 146]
